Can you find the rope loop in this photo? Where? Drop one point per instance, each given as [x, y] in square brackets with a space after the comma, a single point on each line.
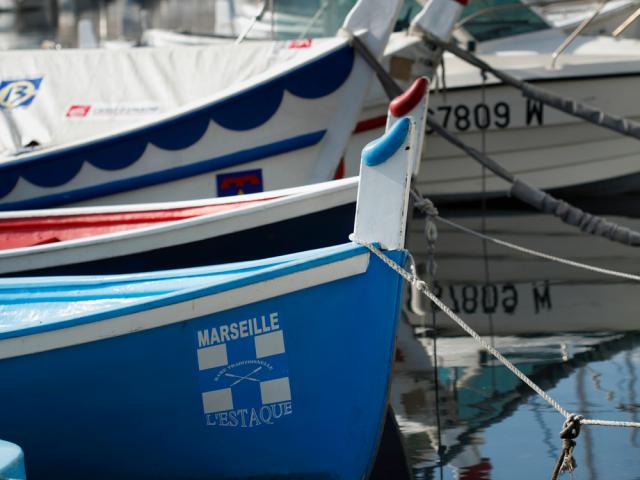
[421, 286]
[426, 206]
[571, 427]
[431, 232]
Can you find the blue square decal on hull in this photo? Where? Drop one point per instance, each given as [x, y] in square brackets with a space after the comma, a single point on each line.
[18, 93]
[243, 372]
[239, 183]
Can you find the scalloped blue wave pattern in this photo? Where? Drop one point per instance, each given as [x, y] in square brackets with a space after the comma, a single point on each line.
[245, 111]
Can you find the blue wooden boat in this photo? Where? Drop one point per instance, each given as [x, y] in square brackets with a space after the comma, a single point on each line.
[11, 461]
[274, 368]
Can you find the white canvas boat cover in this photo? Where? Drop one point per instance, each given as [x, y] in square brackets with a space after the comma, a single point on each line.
[50, 98]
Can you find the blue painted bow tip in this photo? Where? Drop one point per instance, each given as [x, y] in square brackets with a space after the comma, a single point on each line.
[383, 148]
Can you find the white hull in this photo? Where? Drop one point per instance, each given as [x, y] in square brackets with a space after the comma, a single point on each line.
[529, 295]
[540, 145]
[286, 205]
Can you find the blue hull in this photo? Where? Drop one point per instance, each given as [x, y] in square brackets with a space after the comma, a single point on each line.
[158, 404]
[11, 461]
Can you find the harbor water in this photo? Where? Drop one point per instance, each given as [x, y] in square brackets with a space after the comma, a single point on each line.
[492, 426]
[488, 423]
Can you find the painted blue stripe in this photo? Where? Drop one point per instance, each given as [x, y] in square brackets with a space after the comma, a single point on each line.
[380, 150]
[317, 258]
[185, 171]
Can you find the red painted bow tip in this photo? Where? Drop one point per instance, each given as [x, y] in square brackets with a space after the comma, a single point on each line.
[406, 102]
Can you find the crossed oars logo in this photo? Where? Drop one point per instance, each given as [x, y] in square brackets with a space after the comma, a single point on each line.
[248, 376]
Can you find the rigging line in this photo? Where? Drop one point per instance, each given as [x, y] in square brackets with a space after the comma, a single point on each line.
[323, 7]
[436, 380]
[546, 256]
[546, 431]
[584, 407]
[483, 224]
[632, 394]
[424, 288]
[621, 125]
[426, 206]
[431, 234]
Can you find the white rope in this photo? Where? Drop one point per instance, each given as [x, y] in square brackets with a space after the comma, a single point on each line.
[546, 256]
[422, 286]
[426, 206]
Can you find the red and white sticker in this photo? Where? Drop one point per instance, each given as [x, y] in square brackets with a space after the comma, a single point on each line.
[78, 111]
[300, 43]
[111, 111]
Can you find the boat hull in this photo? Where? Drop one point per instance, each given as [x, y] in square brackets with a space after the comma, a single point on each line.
[164, 393]
[308, 231]
[150, 237]
[539, 145]
[505, 292]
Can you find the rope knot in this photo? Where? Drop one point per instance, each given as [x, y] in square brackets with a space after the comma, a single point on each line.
[427, 207]
[421, 285]
[568, 434]
[571, 427]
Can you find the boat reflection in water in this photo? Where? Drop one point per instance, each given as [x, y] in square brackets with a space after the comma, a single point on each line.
[491, 424]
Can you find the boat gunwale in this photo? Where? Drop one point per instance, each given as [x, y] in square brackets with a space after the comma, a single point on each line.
[292, 264]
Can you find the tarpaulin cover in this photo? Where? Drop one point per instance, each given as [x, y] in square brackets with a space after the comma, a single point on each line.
[55, 97]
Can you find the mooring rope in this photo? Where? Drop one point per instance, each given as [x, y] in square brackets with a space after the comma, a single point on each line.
[424, 288]
[546, 256]
[426, 206]
[571, 426]
[569, 433]
[621, 125]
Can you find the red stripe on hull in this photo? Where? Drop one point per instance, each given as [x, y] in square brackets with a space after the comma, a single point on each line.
[30, 231]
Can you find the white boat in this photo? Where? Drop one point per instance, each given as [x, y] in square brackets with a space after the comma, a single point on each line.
[544, 147]
[540, 145]
[547, 148]
[158, 236]
[510, 293]
[569, 15]
[123, 126]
